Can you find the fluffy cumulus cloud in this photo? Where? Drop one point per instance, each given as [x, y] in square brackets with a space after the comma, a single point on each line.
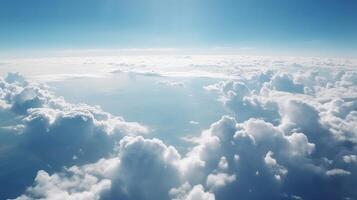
[288, 134]
[142, 169]
[187, 192]
[252, 160]
[42, 131]
[316, 111]
[58, 186]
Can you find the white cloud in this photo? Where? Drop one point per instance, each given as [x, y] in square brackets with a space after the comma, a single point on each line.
[337, 172]
[143, 169]
[223, 164]
[285, 82]
[187, 192]
[350, 158]
[215, 66]
[193, 122]
[215, 181]
[58, 186]
[47, 132]
[171, 83]
[315, 112]
[291, 126]
[148, 169]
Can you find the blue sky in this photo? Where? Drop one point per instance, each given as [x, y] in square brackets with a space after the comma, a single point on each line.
[304, 25]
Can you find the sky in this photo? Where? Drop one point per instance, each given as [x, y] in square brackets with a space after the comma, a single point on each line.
[321, 26]
[188, 117]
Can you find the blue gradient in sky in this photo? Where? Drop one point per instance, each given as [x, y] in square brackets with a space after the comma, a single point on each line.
[298, 24]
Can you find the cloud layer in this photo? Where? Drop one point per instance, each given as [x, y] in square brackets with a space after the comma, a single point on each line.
[289, 134]
[42, 131]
